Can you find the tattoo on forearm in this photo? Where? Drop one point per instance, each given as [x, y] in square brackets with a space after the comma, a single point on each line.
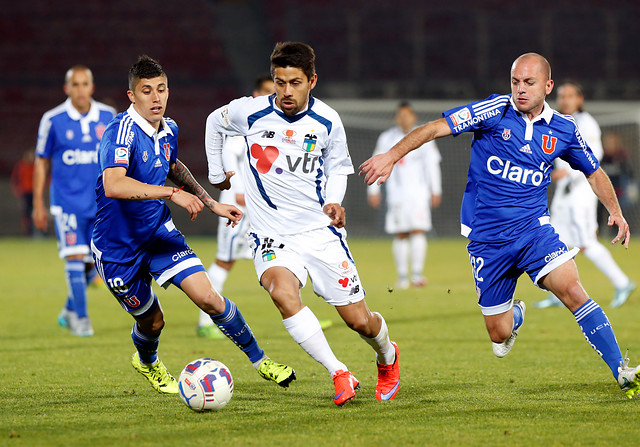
[181, 176]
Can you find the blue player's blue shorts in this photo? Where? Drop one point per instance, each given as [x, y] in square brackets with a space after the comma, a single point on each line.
[497, 267]
[73, 232]
[167, 259]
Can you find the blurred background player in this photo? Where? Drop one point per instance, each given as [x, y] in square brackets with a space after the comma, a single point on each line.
[22, 188]
[414, 188]
[233, 242]
[295, 179]
[574, 205]
[135, 239]
[67, 148]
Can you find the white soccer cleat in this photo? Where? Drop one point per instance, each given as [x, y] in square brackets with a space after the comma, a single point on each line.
[622, 295]
[502, 349]
[80, 326]
[628, 378]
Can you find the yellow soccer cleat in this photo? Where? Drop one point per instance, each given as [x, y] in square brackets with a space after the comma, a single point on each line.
[281, 374]
[158, 375]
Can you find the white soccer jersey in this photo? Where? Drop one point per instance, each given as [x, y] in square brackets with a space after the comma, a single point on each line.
[415, 177]
[233, 156]
[288, 162]
[575, 185]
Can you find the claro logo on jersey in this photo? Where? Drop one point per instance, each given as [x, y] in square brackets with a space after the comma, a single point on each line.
[77, 157]
[514, 173]
[265, 157]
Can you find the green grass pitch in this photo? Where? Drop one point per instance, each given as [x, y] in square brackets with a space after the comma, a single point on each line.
[552, 389]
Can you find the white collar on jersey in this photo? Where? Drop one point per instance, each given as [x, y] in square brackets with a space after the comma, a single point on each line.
[306, 107]
[92, 116]
[546, 114]
[146, 126]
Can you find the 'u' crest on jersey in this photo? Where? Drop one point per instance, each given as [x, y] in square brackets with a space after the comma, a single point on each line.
[545, 144]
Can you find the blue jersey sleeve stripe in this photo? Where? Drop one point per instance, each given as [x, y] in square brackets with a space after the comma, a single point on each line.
[319, 182]
[488, 102]
[259, 114]
[325, 122]
[490, 105]
[259, 184]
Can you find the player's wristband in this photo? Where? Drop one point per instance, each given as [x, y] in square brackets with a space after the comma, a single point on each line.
[175, 190]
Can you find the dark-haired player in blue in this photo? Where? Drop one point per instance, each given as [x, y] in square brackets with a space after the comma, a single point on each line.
[504, 208]
[135, 240]
[68, 139]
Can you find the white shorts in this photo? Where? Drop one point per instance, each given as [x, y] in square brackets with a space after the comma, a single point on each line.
[403, 217]
[576, 221]
[233, 242]
[323, 254]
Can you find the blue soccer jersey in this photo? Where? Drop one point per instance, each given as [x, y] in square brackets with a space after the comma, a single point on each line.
[70, 140]
[511, 161]
[124, 227]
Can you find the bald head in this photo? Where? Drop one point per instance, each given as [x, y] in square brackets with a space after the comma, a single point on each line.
[535, 58]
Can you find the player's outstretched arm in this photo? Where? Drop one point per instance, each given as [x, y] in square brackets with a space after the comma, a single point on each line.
[40, 171]
[118, 186]
[603, 188]
[379, 167]
[181, 176]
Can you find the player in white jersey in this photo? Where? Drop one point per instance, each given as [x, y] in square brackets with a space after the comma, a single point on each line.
[295, 178]
[233, 242]
[574, 205]
[68, 139]
[411, 192]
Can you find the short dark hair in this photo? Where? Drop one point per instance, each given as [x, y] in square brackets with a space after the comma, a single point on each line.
[294, 54]
[404, 103]
[266, 77]
[144, 68]
[575, 84]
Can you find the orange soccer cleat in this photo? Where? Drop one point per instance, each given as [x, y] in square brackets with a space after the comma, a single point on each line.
[388, 378]
[345, 384]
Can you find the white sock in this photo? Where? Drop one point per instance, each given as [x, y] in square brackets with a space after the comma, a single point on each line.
[601, 257]
[305, 329]
[418, 254]
[205, 319]
[218, 276]
[385, 352]
[400, 249]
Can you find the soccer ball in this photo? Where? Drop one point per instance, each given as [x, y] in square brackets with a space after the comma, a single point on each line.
[206, 384]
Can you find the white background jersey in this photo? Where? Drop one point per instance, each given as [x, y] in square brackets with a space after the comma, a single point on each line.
[233, 156]
[415, 177]
[288, 160]
[575, 187]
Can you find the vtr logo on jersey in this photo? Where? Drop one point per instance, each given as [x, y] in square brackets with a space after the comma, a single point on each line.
[265, 157]
[549, 144]
[513, 172]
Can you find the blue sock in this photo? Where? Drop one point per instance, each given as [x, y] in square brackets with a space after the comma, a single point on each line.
[74, 271]
[518, 318]
[596, 328]
[69, 304]
[146, 345]
[90, 274]
[232, 324]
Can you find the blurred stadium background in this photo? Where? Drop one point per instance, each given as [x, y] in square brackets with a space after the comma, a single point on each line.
[370, 55]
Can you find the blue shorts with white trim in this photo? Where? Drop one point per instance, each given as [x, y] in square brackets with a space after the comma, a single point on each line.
[167, 259]
[497, 267]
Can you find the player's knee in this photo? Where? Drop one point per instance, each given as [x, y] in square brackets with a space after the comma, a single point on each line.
[361, 323]
[500, 331]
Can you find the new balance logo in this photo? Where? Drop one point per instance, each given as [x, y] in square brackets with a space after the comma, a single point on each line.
[268, 134]
[526, 149]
